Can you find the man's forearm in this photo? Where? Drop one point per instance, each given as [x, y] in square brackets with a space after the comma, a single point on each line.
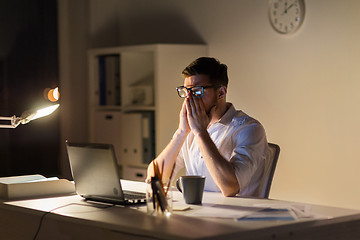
[220, 169]
[166, 159]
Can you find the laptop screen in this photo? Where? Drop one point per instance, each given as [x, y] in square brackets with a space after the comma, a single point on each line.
[94, 170]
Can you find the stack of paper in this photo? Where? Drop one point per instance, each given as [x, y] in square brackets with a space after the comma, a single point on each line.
[31, 186]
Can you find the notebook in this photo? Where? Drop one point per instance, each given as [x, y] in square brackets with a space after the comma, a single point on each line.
[96, 175]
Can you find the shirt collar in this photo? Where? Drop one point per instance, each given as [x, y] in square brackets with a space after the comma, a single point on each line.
[228, 115]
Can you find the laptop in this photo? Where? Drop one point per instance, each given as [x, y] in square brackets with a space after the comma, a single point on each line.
[96, 175]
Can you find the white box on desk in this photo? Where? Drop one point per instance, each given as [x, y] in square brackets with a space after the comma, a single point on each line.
[33, 186]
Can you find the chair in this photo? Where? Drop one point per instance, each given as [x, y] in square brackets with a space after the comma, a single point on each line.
[269, 169]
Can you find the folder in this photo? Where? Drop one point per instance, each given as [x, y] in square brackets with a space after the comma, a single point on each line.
[148, 136]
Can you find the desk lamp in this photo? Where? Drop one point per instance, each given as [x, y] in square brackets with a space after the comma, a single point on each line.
[28, 116]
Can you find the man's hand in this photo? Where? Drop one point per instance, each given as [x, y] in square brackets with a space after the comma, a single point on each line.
[183, 123]
[196, 115]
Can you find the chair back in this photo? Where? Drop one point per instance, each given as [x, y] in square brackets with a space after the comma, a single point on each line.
[269, 169]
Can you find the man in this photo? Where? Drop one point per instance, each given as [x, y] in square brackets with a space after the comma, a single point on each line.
[213, 139]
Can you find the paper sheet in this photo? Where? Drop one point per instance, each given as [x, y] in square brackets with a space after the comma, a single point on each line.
[270, 214]
[300, 211]
[223, 211]
[133, 186]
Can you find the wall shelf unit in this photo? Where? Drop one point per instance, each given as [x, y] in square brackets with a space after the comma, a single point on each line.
[132, 99]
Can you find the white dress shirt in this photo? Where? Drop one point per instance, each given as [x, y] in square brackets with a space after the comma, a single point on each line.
[241, 140]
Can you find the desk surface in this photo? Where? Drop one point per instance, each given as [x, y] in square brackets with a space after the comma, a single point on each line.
[69, 217]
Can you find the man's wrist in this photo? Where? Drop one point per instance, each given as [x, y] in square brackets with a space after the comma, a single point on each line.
[201, 133]
[181, 133]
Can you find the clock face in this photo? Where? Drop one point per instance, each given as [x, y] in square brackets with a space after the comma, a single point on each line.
[286, 16]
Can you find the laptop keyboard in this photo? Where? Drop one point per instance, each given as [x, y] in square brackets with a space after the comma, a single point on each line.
[130, 195]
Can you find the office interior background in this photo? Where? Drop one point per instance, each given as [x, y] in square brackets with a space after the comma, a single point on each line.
[28, 66]
[303, 87]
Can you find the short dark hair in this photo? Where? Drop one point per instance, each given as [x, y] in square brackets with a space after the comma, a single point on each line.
[211, 67]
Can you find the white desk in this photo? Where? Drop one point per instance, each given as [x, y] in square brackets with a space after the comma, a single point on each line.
[76, 219]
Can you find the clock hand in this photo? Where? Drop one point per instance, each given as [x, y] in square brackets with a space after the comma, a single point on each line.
[287, 8]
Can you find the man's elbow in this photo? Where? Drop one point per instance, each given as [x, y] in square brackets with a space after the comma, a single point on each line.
[231, 191]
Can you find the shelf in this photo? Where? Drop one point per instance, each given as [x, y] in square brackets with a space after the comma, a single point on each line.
[125, 109]
[107, 108]
[137, 108]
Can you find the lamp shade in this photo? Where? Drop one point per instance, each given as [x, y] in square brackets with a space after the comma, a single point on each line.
[28, 116]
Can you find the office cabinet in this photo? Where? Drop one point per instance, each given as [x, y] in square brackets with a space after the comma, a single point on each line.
[132, 98]
[107, 128]
[134, 173]
[131, 139]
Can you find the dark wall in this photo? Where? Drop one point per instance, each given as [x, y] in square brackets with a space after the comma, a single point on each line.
[28, 65]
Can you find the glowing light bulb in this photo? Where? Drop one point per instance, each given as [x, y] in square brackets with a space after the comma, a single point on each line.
[53, 94]
[56, 93]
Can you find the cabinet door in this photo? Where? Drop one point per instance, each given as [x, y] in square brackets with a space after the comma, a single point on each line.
[131, 139]
[107, 129]
[134, 173]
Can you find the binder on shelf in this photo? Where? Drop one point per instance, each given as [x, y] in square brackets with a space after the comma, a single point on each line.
[109, 80]
[112, 77]
[148, 136]
[33, 186]
[102, 81]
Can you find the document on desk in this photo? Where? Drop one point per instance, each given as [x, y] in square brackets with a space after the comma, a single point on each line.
[281, 212]
[270, 214]
[258, 212]
[222, 211]
[299, 211]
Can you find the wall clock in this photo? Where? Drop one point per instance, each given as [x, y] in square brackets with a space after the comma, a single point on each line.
[286, 16]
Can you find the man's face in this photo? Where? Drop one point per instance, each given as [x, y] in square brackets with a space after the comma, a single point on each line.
[210, 94]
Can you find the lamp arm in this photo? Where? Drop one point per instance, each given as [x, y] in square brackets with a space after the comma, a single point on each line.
[14, 122]
[27, 116]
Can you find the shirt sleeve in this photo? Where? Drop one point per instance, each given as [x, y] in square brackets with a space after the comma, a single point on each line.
[250, 146]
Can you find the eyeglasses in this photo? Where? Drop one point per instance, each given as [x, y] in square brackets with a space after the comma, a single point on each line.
[197, 91]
